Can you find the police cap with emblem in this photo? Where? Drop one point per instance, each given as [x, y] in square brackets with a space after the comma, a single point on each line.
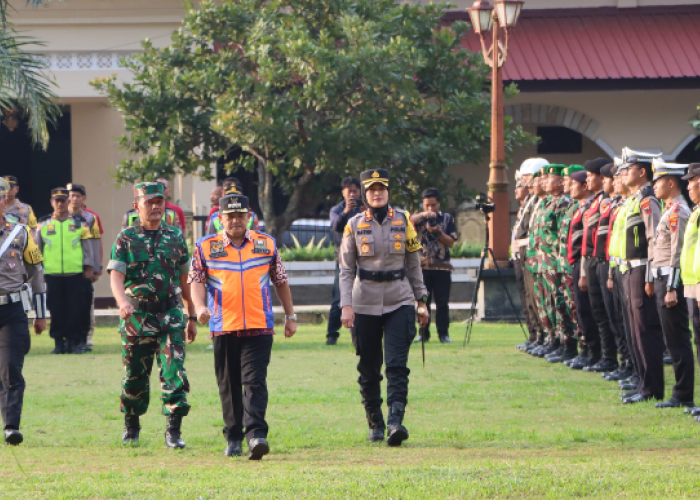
[631, 157]
[234, 203]
[78, 188]
[231, 185]
[379, 175]
[148, 190]
[11, 180]
[59, 193]
[4, 187]
[660, 168]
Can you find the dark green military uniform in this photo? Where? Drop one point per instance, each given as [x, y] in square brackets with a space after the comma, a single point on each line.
[152, 262]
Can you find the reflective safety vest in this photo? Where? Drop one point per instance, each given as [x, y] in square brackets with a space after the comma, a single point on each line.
[690, 268]
[63, 251]
[634, 242]
[238, 282]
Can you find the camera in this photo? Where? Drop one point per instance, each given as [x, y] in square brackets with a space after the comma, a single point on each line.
[483, 205]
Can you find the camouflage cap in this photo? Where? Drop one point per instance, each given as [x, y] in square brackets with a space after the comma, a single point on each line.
[4, 187]
[148, 190]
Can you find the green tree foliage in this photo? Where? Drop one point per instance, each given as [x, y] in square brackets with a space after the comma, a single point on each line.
[24, 85]
[306, 88]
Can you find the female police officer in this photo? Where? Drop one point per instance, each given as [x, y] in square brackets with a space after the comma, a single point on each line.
[380, 278]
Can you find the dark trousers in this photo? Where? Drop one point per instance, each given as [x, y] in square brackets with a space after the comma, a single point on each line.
[694, 311]
[438, 284]
[587, 328]
[241, 362]
[647, 338]
[519, 268]
[68, 300]
[398, 329]
[621, 320]
[599, 311]
[15, 342]
[674, 324]
[334, 322]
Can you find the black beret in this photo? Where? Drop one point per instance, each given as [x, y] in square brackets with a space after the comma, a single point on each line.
[607, 170]
[594, 166]
[78, 188]
[579, 176]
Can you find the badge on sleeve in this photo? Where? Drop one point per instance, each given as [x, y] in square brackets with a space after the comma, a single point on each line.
[646, 206]
[347, 231]
[674, 222]
[11, 265]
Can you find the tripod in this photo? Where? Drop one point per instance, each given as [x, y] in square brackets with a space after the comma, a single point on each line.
[484, 252]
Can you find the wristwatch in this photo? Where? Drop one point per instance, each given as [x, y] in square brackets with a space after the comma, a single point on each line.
[191, 318]
[293, 317]
[421, 310]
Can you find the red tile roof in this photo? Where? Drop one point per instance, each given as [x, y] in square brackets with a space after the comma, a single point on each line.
[593, 44]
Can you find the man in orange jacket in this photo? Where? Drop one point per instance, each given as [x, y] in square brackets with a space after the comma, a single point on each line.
[231, 272]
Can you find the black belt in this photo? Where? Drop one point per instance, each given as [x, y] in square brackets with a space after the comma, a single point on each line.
[155, 306]
[399, 274]
[601, 259]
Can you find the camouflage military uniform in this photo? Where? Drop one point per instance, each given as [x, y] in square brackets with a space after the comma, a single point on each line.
[536, 263]
[564, 268]
[555, 265]
[152, 265]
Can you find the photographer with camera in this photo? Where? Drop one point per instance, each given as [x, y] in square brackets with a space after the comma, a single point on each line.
[438, 233]
[351, 205]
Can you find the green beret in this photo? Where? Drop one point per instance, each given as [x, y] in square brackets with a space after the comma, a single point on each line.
[148, 190]
[555, 169]
[572, 169]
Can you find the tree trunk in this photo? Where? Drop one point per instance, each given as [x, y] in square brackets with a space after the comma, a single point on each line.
[276, 225]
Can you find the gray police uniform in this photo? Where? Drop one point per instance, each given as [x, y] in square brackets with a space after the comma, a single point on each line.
[380, 277]
[20, 258]
[666, 269]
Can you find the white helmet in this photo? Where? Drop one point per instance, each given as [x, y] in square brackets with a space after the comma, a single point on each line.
[532, 165]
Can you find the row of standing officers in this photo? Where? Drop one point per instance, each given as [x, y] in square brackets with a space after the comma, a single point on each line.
[606, 265]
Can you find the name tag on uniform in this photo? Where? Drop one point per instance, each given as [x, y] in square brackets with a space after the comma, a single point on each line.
[364, 231]
[260, 246]
[216, 249]
[401, 229]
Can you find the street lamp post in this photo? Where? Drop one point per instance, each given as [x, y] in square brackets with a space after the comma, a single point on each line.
[486, 18]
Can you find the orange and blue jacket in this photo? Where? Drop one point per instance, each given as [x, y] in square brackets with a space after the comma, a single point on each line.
[238, 282]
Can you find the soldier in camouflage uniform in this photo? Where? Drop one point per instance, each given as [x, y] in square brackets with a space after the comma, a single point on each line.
[534, 258]
[148, 271]
[569, 348]
[555, 302]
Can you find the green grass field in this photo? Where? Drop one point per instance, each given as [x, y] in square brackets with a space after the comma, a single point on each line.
[485, 422]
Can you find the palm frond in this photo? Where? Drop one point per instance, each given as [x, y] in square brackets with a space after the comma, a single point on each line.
[24, 84]
[5, 4]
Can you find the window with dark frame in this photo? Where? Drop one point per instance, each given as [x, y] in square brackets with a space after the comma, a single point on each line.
[559, 140]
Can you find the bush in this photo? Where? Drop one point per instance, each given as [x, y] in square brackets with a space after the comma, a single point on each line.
[307, 253]
[465, 251]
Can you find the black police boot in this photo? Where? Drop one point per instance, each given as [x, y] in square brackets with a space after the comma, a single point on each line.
[72, 348]
[172, 433]
[131, 429]
[604, 365]
[331, 340]
[234, 449]
[13, 437]
[397, 433]
[258, 448]
[60, 347]
[375, 419]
